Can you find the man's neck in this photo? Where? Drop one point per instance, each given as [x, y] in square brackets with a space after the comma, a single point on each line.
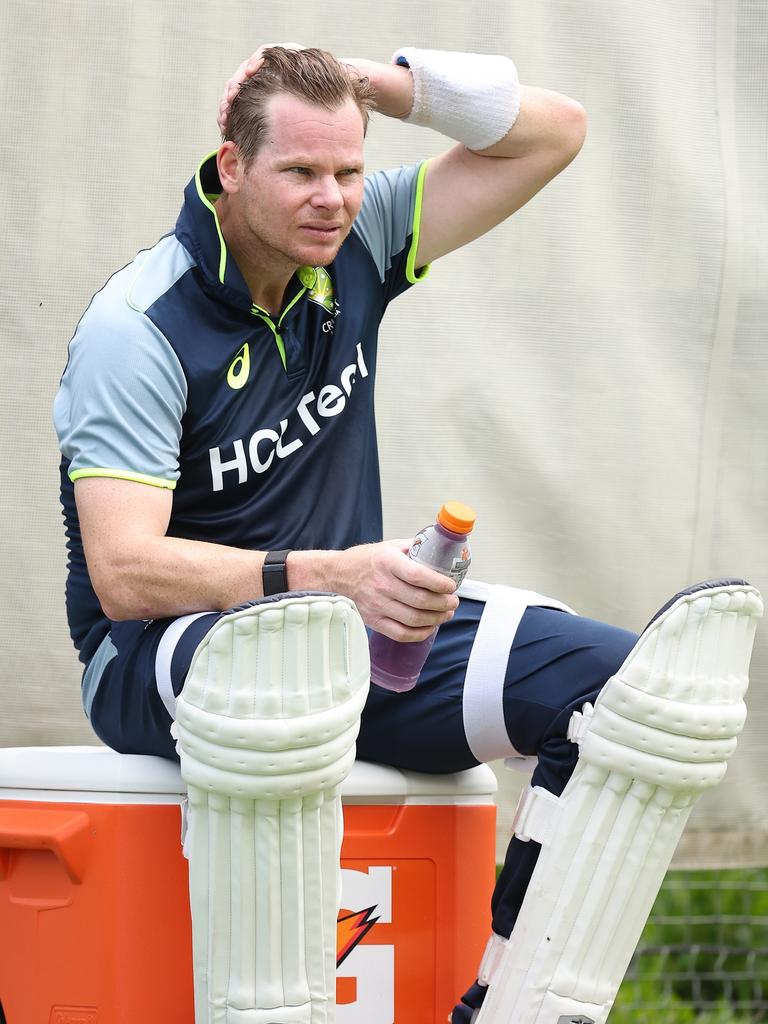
[266, 271]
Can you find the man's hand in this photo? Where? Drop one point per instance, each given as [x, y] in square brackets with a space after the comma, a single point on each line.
[393, 85]
[395, 595]
[246, 70]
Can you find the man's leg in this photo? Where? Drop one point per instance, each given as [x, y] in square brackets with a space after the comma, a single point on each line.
[659, 734]
[556, 663]
[266, 722]
[662, 730]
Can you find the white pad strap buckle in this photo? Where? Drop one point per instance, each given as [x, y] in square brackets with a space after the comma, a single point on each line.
[492, 958]
[579, 723]
[535, 815]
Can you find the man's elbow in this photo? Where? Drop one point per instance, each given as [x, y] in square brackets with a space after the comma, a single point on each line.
[571, 120]
[122, 606]
[120, 599]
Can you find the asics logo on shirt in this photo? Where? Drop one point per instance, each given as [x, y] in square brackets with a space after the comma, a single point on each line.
[264, 444]
[240, 368]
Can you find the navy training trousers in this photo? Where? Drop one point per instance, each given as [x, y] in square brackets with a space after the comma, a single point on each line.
[556, 663]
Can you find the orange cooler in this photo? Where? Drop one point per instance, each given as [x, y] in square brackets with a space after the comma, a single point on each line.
[94, 911]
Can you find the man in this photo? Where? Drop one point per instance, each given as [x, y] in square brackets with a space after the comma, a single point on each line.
[218, 405]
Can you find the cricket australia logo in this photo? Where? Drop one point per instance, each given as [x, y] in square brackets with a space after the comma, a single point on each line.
[320, 287]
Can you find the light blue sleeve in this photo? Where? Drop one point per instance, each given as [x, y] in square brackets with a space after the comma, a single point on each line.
[122, 396]
[390, 219]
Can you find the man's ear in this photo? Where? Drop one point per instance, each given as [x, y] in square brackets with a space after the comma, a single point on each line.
[230, 167]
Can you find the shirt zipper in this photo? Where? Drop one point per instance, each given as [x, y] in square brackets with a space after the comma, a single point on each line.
[262, 314]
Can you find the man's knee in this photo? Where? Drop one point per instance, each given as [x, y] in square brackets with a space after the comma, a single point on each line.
[613, 649]
[573, 656]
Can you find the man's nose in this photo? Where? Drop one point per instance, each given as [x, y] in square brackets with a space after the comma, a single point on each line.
[328, 193]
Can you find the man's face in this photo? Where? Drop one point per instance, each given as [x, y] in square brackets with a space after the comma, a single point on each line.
[304, 187]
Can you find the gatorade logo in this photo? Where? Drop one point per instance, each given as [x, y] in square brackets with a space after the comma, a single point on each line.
[350, 929]
[240, 368]
[365, 982]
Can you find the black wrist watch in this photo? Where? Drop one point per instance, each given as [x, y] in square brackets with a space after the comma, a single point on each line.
[274, 574]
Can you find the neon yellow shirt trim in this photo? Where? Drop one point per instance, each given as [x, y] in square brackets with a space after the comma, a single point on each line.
[412, 273]
[122, 474]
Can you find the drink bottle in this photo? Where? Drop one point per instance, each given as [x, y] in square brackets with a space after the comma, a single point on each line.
[443, 546]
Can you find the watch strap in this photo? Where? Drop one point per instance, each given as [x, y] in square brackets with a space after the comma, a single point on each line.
[274, 574]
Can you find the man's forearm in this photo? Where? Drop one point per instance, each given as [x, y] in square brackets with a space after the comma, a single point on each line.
[543, 120]
[161, 577]
[165, 577]
[139, 572]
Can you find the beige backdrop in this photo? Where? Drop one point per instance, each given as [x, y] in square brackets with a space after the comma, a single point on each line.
[591, 376]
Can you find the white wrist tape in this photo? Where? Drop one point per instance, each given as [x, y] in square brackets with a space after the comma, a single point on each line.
[473, 98]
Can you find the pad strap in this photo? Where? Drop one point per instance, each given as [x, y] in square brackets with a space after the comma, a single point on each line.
[483, 702]
[164, 656]
[473, 98]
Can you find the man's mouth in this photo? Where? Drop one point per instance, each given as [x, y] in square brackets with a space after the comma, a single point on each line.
[322, 230]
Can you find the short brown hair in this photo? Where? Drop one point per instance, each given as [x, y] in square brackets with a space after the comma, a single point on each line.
[312, 75]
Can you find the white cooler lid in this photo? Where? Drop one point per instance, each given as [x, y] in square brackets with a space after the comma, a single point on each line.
[71, 773]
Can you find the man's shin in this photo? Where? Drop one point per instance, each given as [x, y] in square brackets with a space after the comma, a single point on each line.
[660, 733]
[266, 727]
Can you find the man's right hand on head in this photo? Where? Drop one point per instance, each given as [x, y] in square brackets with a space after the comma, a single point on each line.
[395, 595]
[246, 70]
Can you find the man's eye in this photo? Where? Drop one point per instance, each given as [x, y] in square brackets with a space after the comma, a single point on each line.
[303, 171]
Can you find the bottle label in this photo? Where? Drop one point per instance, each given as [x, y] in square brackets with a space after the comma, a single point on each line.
[460, 568]
[451, 558]
[418, 540]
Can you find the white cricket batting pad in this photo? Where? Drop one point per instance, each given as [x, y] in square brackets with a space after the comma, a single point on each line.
[661, 731]
[266, 726]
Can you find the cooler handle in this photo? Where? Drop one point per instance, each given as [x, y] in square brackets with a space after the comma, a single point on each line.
[66, 834]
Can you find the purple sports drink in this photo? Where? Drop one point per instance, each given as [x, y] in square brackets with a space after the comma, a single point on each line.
[444, 546]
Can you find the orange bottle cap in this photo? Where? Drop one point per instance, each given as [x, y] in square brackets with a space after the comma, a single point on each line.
[457, 517]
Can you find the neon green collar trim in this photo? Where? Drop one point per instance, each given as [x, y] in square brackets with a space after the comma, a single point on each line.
[206, 202]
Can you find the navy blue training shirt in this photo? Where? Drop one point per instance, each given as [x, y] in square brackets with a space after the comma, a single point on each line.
[263, 428]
